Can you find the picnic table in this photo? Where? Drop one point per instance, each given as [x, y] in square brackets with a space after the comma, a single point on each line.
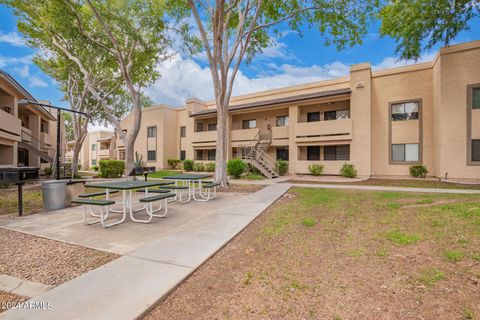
[127, 187]
[189, 180]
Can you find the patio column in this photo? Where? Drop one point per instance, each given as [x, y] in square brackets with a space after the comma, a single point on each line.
[292, 145]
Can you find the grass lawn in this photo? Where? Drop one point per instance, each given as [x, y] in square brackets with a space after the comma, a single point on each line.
[396, 183]
[163, 173]
[343, 254]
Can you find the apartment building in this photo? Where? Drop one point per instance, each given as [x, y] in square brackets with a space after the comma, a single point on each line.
[381, 121]
[98, 145]
[27, 131]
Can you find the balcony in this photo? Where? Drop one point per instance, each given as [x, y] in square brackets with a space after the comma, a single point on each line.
[280, 135]
[103, 153]
[204, 138]
[243, 136]
[11, 126]
[26, 135]
[331, 130]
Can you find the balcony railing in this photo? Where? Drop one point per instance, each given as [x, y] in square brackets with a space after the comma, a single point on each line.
[204, 136]
[323, 130]
[243, 135]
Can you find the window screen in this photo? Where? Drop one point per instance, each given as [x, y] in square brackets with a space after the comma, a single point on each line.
[249, 124]
[152, 155]
[476, 98]
[211, 154]
[476, 150]
[282, 154]
[313, 116]
[151, 132]
[313, 153]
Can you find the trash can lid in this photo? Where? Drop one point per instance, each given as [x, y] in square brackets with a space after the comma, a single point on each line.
[54, 182]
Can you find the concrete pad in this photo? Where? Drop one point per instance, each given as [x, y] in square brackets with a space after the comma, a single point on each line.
[192, 246]
[121, 289]
[20, 287]
[66, 225]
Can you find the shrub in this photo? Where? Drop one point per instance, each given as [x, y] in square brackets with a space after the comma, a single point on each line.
[210, 167]
[418, 171]
[198, 166]
[48, 171]
[95, 168]
[315, 169]
[188, 165]
[173, 162]
[282, 167]
[111, 168]
[348, 170]
[236, 167]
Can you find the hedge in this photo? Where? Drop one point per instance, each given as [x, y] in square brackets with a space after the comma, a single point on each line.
[111, 168]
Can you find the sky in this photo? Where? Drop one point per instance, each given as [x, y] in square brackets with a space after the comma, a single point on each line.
[290, 60]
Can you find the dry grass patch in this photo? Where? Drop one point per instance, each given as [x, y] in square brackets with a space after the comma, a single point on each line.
[365, 256]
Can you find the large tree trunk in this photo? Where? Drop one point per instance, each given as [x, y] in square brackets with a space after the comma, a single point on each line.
[76, 153]
[222, 146]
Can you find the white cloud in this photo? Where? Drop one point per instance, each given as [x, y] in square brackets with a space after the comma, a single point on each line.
[12, 38]
[35, 81]
[5, 61]
[23, 72]
[392, 62]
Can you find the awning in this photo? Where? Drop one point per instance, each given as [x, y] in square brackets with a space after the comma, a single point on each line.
[270, 102]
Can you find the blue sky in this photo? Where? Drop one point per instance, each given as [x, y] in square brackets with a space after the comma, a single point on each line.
[291, 60]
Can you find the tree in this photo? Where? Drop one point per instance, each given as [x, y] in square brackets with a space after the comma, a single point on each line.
[418, 25]
[67, 117]
[232, 31]
[124, 39]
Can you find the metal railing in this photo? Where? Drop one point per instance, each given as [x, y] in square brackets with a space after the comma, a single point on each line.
[27, 137]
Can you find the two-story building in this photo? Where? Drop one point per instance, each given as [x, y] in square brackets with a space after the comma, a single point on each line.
[27, 131]
[98, 145]
[381, 121]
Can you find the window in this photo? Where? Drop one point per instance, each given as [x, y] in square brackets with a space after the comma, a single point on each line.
[476, 98]
[183, 132]
[211, 154]
[313, 153]
[405, 152]
[44, 126]
[405, 111]
[313, 116]
[199, 126]
[336, 115]
[476, 150]
[94, 162]
[199, 155]
[282, 153]
[249, 124]
[94, 147]
[182, 154]
[282, 121]
[212, 127]
[151, 155]
[336, 152]
[151, 132]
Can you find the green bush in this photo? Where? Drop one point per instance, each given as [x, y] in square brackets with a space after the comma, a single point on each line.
[111, 168]
[188, 165]
[173, 162]
[418, 171]
[315, 169]
[95, 168]
[236, 167]
[348, 170]
[198, 166]
[48, 171]
[210, 167]
[282, 167]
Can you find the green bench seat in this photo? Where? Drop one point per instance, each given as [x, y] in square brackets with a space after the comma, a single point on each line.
[153, 191]
[94, 194]
[174, 187]
[211, 185]
[158, 197]
[93, 202]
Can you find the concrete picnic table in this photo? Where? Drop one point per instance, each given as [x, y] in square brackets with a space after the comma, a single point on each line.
[189, 180]
[127, 187]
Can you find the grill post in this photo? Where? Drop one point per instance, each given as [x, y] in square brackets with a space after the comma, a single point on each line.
[20, 198]
[57, 155]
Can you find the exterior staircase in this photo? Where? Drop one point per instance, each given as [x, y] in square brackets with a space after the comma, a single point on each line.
[256, 154]
[26, 143]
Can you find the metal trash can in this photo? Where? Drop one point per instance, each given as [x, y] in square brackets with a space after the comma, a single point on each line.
[54, 193]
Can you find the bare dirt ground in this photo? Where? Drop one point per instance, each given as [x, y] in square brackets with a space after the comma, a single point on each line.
[46, 261]
[339, 254]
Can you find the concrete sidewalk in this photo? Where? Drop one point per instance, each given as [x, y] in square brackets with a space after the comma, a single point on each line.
[385, 188]
[127, 287]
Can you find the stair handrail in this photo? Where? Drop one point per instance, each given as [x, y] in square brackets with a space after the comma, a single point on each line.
[270, 161]
[42, 144]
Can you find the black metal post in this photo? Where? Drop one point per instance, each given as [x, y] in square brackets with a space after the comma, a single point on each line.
[57, 170]
[20, 199]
